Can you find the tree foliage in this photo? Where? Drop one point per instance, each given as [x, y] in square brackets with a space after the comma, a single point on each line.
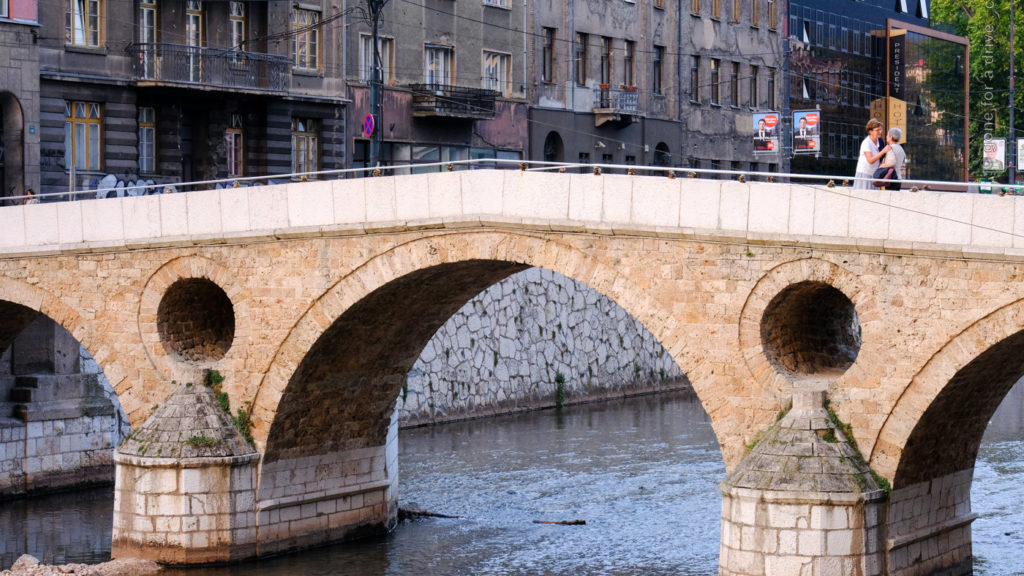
[986, 24]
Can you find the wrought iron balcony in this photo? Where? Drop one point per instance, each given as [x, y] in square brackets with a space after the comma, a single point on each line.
[444, 101]
[621, 105]
[215, 67]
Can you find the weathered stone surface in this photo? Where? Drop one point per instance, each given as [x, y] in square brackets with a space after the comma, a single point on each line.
[27, 565]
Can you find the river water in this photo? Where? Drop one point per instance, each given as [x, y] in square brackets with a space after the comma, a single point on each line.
[642, 473]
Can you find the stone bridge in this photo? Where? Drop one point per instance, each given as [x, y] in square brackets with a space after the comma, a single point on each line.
[314, 300]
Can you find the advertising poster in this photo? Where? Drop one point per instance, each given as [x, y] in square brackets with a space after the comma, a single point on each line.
[806, 132]
[766, 133]
[994, 155]
[1020, 153]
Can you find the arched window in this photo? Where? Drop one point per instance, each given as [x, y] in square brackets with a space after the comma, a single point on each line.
[662, 156]
[554, 151]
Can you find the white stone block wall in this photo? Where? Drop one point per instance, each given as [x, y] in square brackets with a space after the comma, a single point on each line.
[324, 498]
[784, 538]
[185, 511]
[930, 526]
[12, 455]
[49, 454]
[505, 348]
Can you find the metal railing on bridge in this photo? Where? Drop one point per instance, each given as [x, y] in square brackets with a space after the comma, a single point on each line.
[163, 62]
[831, 181]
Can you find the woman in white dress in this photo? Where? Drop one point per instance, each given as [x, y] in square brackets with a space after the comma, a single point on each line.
[869, 155]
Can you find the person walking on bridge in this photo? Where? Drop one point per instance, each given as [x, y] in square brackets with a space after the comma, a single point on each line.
[871, 151]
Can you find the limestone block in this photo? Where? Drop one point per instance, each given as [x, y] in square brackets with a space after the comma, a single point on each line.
[788, 515]
[955, 212]
[535, 195]
[444, 196]
[349, 201]
[810, 542]
[656, 202]
[268, 207]
[12, 226]
[69, 221]
[481, 191]
[840, 543]
[617, 200]
[912, 216]
[769, 209]
[310, 204]
[203, 212]
[992, 220]
[787, 566]
[586, 198]
[173, 214]
[869, 214]
[234, 209]
[105, 221]
[41, 224]
[801, 210]
[734, 207]
[831, 212]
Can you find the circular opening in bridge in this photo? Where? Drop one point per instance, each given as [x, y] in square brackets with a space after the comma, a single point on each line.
[196, 320]
[811, 328]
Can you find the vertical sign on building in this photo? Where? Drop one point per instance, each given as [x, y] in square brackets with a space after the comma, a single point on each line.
[766, 133]
[1020, 153]
[896, 102]
[994, 155]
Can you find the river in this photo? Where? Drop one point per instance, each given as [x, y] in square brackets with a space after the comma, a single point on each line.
[642, 473]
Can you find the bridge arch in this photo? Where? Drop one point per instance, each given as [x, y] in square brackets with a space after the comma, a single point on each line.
[431, 277]
[936, 426]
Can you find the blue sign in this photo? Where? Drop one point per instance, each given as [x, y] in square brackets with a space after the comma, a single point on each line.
[368, 125]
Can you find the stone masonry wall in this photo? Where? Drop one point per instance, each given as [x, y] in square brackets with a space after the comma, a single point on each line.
[504, 350]
[930, 527]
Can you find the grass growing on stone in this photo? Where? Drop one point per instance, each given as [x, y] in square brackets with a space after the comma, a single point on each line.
[202, 441]
[559, 389]
[241, 419]
[882, 482]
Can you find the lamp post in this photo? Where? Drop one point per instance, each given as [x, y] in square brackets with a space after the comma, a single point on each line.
[376, 81]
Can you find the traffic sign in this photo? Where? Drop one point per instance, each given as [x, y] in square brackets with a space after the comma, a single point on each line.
[368, 125]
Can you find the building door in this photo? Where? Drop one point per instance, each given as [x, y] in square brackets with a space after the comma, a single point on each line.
[194, 39]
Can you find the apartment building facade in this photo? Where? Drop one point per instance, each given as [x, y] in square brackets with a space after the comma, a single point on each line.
[732, 55]
[187, 90]
[453, 81]
[19, 97]
[603, 80]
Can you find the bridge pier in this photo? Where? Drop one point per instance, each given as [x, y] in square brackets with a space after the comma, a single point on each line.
[929, 525]
[307, 501]
[802, 502]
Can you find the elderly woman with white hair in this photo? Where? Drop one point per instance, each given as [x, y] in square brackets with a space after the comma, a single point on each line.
[894, 159]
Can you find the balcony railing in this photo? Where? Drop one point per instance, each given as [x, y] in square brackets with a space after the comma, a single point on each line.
[446, 101]
[617, 100]
[216, 67]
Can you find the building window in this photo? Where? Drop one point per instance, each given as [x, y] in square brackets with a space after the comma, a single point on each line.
[716, 9]
[771, 88]
[497, 72]
[437, 64]
[4, 13]
[305, 145]
[547, 69]
[584, 159]
[773, 18]
[498, 3]
[695, 78]
[755, 16]
[236, 11]
[656, 76]
[716, 66]
[580, 59]
[147, 140]
[82, 133]
[82, 23]
[306, 40]
[901, 6]
[386, 47]
[194, 38]
[659, 4]
[754, 96]
[695, 6]
[736, 10]
[734, 84]
[627, 64]
[606, 61]
[233, 139]
[147, 35]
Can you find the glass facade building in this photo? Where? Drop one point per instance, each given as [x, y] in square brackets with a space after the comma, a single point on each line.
[844, 61]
